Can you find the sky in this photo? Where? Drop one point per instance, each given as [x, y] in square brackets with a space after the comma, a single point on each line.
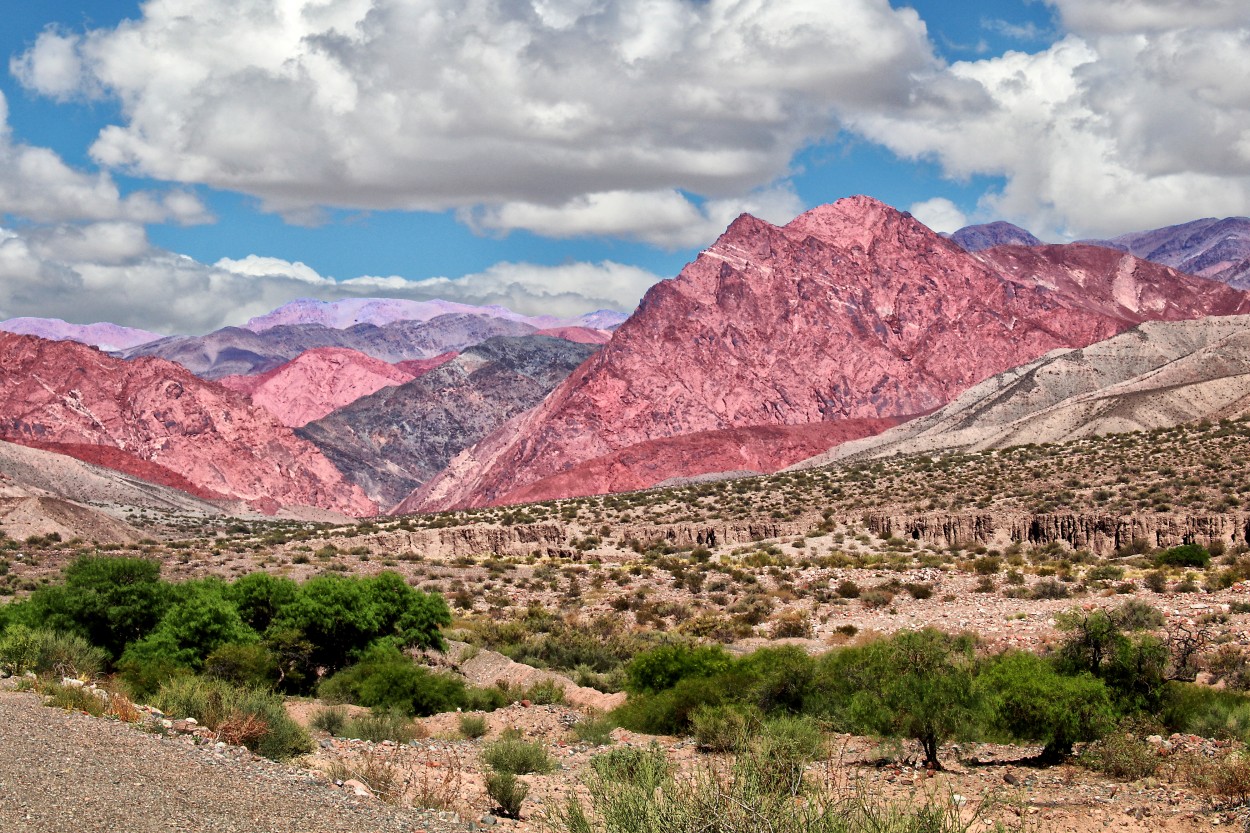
[180, 165]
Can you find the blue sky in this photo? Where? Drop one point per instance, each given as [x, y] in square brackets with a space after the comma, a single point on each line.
[582, 152]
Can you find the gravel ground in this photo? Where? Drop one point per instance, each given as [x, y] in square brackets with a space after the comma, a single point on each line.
[62, 771]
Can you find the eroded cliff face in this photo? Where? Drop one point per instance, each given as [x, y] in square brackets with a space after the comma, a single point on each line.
[851, 311]
[1100, 534]
[69, 396]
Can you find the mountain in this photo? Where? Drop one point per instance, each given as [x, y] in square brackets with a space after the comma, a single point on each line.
[381, 311]
[989, 235]
[153, 410]
[582, 335]
[419, 367]
[1160, 374]
[1213, 248]
[105, 336]
[316, 382]
[234, 351]
[393, 441]
[851, 311]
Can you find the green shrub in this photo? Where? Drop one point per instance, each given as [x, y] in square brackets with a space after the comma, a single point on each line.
[545, 693]
[19, 649]
[725, 727]
[251, 666]
[513, 755]
[1186, 555]
[507, 792]
[1136, 615]
[472, 726]
[387, 679]
[332, 720]
[646, 768]
[1028, 700]
[108, 601]
[1205, 711]
[594, 731]
[847, 589]
[662, 668]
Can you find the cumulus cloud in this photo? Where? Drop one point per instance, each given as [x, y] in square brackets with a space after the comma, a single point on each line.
[561, 116]
[1139, 117]
[109, 272]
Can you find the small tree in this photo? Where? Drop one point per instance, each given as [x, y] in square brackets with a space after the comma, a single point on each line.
[919, 685]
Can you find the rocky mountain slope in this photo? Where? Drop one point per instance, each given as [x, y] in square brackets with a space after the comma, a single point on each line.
[988, 235]
[1157, 375]
[234, 351]
[851, 311]
[398, 438]
[317, 382]
[71, 395]
[103, 335]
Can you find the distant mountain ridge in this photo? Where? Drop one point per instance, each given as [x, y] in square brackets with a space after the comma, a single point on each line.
[341, 315]
[107, 337]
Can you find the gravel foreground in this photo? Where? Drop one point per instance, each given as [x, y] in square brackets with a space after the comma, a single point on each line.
[65, 771]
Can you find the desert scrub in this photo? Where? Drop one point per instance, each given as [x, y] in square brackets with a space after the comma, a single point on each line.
[513, 755]
[472, 726]
[380, 725]
[332, 720]
[634, 791]
[596, 731]
[507, 793]
[1123, 753]
[254, 719]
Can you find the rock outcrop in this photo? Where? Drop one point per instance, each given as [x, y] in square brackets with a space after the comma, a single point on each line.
[153, 410]
[851, 311]
[394, 440]
[317, 382]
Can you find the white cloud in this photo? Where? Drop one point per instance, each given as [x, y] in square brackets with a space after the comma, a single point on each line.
[518, 112]
[939, 214]
[663, 218]
[109, 272]
[36, 184]
[1118, 126]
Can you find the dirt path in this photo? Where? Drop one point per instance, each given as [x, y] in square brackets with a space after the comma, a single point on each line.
[64, 771]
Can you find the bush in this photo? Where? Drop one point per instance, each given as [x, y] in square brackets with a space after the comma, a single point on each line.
[108, 601]
[876, 598]
[725, 727]
[1048, 588]
[664, 667]
[387, 679]
[331, 720]
[646, 768]
[781, 752]
[1027, 700]
[472, 726]
[545, 693]
[596, 731]
[847, 589]
[1205, 711]
[1186, 555]
[513, 755]
[19, 650]
[251, 666]
[507, 792]
[1156, 581]
[1136, 615]
[72, 698]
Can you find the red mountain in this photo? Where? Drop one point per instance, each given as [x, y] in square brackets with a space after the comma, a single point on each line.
[419, 367]
[851, 311]
[317, 382]
[71, 395]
